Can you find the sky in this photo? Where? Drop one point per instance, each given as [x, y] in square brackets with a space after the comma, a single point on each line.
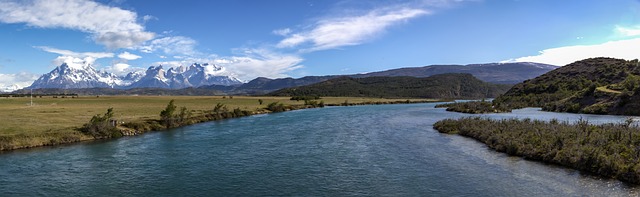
[296, 38]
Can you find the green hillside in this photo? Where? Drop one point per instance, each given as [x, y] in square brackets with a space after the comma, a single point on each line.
[595, 85]
[463, 86]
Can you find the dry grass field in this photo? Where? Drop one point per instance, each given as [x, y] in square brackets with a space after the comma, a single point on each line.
[49, 119]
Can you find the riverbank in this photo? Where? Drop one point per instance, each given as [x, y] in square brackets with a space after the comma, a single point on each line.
[53, 121]
[608, 150]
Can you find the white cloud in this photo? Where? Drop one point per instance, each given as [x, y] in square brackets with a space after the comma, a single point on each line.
[623, 49]
[76, 60]
[282, 32]
[172, 45]
[261, 63]
[110, 26]
[628, 31]
[11, 82]
[147, 18]
[346, 31]
[96, 55]
[122, 69]
[128, 56]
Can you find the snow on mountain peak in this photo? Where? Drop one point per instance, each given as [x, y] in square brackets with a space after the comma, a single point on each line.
[212, 69]
[75, 75]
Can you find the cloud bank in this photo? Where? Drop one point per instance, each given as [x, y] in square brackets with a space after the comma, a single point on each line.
[110, 26]
[623, 49]
[11, 82]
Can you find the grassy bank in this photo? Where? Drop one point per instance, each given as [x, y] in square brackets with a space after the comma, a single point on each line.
[52, 121]
[609, 150]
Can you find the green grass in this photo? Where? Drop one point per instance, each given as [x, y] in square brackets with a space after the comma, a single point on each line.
[55, 120]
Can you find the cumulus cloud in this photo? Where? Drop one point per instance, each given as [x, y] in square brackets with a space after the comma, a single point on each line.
[11, 82]
[171, 45]
[128, 56]
[110, 26]
[336, 32]
[623, 49]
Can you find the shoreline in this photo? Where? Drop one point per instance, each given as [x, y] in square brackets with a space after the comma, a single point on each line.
[78, 137]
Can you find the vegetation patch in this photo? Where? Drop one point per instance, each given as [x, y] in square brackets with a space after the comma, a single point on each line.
[595, 85]
[609, 150]
[461, 86]
[102, 126]
[474, 107]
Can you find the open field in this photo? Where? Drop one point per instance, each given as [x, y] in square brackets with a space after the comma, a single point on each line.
[52, 118]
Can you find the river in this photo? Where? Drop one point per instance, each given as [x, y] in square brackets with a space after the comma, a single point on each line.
[384, 150]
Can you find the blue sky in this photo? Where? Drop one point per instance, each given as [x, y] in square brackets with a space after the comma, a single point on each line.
[282, 38]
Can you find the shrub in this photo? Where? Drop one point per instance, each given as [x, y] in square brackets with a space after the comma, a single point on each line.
[276, 107]
[102, 126]
[169, 119]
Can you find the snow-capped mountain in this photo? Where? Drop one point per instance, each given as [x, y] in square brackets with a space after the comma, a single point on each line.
[9, 88]
[194, 75]
[76, 76]
[85, 76]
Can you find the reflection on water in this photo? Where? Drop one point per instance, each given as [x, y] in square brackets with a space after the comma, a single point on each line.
[388, 150]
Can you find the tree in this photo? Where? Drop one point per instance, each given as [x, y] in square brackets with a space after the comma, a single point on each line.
[166, 115]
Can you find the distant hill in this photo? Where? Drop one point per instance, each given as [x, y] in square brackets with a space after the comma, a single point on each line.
[263, 85]
[463, 86]
[595, 85]
[501, 73]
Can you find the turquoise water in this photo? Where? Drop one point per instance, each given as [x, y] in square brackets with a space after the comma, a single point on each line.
[387, 150]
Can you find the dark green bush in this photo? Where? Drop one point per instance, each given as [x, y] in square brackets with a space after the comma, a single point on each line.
[102, 126]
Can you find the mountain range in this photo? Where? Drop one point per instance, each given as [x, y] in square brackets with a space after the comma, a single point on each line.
[68, 76]
[213, 77]
[497, 73]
